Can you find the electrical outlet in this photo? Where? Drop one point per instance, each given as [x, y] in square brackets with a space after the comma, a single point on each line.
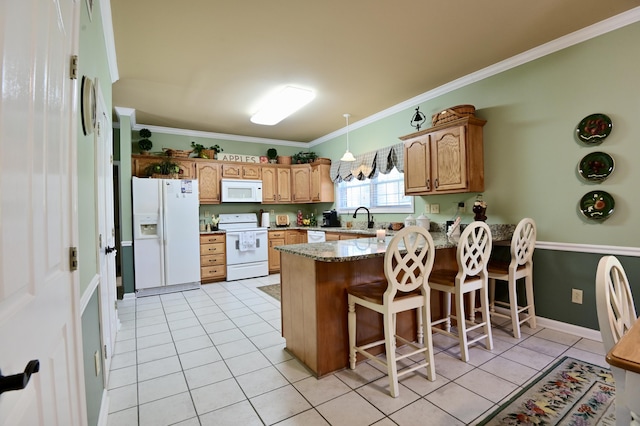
[435, 208]
[206, 213]
[576, 296]
[462, 207]
[272, 212]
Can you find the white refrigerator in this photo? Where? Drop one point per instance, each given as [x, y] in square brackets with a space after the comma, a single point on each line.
[166, 235]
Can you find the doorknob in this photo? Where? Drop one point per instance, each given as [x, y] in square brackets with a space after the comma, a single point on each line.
[108, 249]
[19, 381]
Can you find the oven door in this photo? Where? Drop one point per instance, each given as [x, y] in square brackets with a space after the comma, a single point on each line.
[241, 250]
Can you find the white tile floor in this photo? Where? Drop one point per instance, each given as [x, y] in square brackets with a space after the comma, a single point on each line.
[215, 356]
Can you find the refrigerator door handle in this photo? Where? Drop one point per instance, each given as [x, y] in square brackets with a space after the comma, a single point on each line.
[162, 234]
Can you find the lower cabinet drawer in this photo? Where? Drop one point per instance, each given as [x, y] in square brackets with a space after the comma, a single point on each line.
[212, 260]
[217, 248]
[207, 272]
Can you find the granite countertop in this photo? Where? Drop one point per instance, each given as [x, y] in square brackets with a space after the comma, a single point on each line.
[363, 248]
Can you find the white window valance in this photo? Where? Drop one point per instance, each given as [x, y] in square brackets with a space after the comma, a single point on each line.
[368, 165]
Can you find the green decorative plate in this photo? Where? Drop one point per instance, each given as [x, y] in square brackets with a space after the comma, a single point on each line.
[596, 166]
[594, 128]
[597, 205]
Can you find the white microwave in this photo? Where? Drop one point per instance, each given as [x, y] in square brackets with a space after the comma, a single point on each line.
[241, 191]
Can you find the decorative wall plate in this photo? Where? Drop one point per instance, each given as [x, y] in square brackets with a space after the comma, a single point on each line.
[88, 105]
[596, 167]
[594, 128]
[597, 205]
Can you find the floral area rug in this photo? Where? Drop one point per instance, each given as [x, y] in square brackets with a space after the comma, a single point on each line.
[272, 290]
[571, 392]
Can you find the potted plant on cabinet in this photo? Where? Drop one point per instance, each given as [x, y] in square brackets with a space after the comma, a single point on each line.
[304, 157]
[203, 152]
[144, 144]
[272, 155]
[165, 169]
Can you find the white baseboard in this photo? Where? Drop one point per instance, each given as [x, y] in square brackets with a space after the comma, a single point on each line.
[564, 327]
[576, 330]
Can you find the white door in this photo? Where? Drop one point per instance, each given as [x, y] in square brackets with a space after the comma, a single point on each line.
[106, 250]
[39, 292]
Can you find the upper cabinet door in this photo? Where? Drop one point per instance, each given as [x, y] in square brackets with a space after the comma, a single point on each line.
[240, 171]
[301, 182]
[449, 159]
[284, 184]
[445, 159]
[417, 165]
[208, 175]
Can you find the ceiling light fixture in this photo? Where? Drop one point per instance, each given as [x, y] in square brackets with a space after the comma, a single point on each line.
[282, 104]
[348, 156]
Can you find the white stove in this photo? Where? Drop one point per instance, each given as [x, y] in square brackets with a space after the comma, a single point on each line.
[247, 246]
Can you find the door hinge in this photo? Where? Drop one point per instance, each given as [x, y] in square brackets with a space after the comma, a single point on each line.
[111, 159]
[74, 67]
[115, 305]
[100, 241]
[73, 258]
[105, 352]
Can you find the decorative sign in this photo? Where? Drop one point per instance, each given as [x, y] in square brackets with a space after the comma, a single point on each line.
[238, 157]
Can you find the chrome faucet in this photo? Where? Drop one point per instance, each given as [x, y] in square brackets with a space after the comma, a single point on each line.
[369, 221]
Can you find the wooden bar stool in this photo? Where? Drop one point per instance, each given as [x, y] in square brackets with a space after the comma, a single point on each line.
[523, 244]
[474, 249]
[407, 265]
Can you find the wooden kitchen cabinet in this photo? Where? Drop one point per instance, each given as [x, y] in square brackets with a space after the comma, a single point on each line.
[296, 236]
[301, 183]
[139, 164]
[322, 189]
[276, 238]
[276, 184]
[240, 171]
[445, 159]
[208, 175]
[213, 260]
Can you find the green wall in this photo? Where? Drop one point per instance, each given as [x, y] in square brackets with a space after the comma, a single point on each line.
[531, 154]
[91, 342]
[92, 63]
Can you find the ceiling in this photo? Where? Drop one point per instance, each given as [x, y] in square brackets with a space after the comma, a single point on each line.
[205, 64]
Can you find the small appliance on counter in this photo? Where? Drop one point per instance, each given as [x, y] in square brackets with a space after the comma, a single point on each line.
[330, 219]
[282, 220]
[264, 219]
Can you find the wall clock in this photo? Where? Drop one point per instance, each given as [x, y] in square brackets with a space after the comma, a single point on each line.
[88, 105]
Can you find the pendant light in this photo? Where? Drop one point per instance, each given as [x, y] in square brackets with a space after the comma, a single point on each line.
[348, 156]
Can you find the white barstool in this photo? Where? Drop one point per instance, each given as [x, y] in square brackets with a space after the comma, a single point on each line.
[407, 265]
[474, 249]
[616, 315]
[523, 244]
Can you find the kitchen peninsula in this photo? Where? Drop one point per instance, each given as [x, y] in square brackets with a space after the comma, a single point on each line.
[313, 280]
